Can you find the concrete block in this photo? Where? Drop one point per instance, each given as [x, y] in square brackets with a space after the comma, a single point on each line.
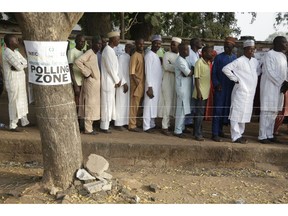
[96, 164]
[82, 174]
[107, 187]
[105, 175]
[102, 179]
[94, 187]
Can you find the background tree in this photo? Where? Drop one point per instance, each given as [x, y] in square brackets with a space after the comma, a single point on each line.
[281, 18]
[275, 34]
[215, 25]
[55, 106]
[96, 23]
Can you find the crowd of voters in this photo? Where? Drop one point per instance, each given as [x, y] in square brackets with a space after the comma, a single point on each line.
[186, 84]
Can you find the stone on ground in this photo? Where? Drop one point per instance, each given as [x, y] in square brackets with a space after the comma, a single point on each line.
[96, 164]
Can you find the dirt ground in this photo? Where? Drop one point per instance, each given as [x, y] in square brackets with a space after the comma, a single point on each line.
[19, 183]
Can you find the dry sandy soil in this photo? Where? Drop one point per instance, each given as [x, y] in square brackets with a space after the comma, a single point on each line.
[19, 183]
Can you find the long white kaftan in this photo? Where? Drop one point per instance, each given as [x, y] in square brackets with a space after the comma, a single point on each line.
[15, 82]
[244, 71]
[183, 93]
[274, 72]
[123, 99]
[109, 72]
[153, 78]
[183, 84]
[167, 100]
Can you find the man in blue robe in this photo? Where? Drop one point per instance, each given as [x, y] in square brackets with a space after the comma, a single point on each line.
[222, 90]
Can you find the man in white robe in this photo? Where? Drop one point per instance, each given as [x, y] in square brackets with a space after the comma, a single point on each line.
[15, 82]
[195, 46]
[123, 93]
[183, 76]
[109, 81]
[167, 100]
[243, 71]
[274, 76]
[153, 79]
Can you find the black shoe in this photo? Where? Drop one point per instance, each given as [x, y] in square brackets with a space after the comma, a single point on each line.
[241, 140]
[120, 128]
[135, 130]
[17, 129]
[190, 126]
[200, 138]
[106, 131]
[216, 138]
[151, 130]
[274, 140]
[223, 135]
[166, 132]
[187, 131]
[92, 133]
[182, 135]
[265, 141]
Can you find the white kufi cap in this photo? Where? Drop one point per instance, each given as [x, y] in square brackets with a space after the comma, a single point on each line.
[176, 39]
[113, 34]
[156, 37]
[248, 43]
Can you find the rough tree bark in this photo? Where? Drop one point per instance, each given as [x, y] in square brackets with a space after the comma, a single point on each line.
[122, 15]
[96, 23]
[55, 106]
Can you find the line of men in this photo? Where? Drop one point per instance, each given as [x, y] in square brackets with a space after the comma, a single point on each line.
[175, 86]
[167, 86]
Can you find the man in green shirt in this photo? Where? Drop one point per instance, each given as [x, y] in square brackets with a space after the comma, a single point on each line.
[201, 89]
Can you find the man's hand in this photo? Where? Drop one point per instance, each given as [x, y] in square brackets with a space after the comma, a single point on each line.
[118, 84]
[191, 73]
[125, 88]
[135, 79]
[149, 92]
[199, 95]
[76, 90]
[284, 87]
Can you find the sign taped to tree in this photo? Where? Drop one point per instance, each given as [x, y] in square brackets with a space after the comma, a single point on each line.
[47, 62]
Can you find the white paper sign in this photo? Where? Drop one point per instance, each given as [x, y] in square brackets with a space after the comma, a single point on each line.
[219, 49]
[47, 62]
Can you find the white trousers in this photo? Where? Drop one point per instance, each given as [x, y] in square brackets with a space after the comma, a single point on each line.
[148, 123]
[166, 122]
[13, 123]
[266, 124]
[104, 125]
[236, 129]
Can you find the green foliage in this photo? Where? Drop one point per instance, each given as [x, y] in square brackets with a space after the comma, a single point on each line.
[281, 18]
[215, 25]
[205, 25]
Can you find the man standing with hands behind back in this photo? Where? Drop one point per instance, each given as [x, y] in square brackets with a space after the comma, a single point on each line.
[109, 81]
[153, 79]
[137, 80]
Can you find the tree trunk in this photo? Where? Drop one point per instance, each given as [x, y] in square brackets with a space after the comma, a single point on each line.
[96, 24]
[142, 29]
[122, 26]
[55, 106]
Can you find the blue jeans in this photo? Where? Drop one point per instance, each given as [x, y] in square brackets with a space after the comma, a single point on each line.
[199, 116]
